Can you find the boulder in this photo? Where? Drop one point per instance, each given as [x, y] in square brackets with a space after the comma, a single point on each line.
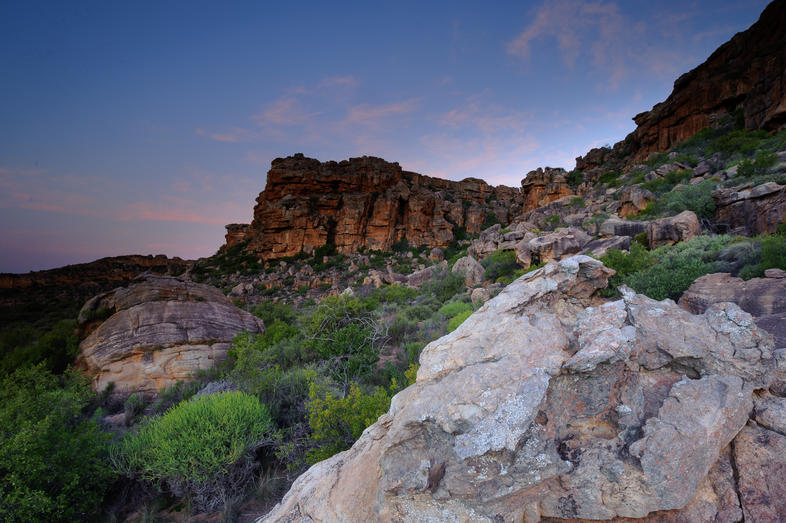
[542, 186]
[436, 255]
[470, 269]
[558, 244]
[601, 246]
[159, 330]
[674, 229]
[763, 298]
[618, 227]
[480, 296]
[549, 403]
[633, 200]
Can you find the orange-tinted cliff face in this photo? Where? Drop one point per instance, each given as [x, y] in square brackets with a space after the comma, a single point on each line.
[748, 72]
[364, 203]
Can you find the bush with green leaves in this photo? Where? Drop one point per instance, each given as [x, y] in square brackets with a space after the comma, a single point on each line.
[500, 263]
[24, 345]
[443, 285]
[696, 198]
[337, 421]
[53, 459]
[458, 319]
[453, 308]
[772, 255]
[202, 448]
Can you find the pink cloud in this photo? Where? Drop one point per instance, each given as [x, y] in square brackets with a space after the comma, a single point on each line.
[367, 113]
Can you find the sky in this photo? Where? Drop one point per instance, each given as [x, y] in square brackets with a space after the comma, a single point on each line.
[145, 127]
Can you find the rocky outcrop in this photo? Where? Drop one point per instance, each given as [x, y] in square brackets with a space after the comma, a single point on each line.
[156, 331]
[547, 403]
[558, 244]
[673, 229]
[633, 200]
[542, 186]
[748, 72]
[365, 203]
[763, 298]
[618, 227]
[751, 211]
[470, 269]
[236, 233]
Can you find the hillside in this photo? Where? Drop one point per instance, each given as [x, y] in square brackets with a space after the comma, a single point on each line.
[604, 343]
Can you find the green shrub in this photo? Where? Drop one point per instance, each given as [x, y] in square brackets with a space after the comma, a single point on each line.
[133, 406]
[454, 307]
[553, 222]
[625, 263]
[608, 177]
[642, 240]
[500, 263]
[696, 198]
[269, 312]
[337, 422]
[56, 348]
[575, 178]
[203, 448]
[398, 294]
[443, 285]
[52, 459]
[458, 319]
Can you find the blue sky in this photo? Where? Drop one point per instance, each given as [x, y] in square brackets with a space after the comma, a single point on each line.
[144, 127]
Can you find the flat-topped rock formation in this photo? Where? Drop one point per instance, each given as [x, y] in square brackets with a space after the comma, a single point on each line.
[364, 203]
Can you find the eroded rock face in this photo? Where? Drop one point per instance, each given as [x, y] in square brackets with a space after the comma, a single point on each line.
[156, 331]
[749, 71]
[365, 203]
[751, 211]
[633, 200]
[548, 403]
[558, 244]
[542, 186]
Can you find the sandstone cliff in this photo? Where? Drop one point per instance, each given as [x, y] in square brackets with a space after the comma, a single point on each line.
[548, 403]
[156, 331]
[364, 203]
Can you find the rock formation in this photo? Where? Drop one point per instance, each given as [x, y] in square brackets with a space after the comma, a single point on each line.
[548, 403]
[673, 229]
[748, 72]
[542, 186]
[364, 203]
[757, 210]
[156, 331]
[763, 298]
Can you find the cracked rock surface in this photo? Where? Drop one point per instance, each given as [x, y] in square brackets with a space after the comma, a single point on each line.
[550, 404]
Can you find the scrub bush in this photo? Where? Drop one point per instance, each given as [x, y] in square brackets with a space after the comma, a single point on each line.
[203, 448]
[52, 458]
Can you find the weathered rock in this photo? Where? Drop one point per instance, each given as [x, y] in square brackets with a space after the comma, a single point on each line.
[601, 246]
[480, 296]
[558, 244]
[758, 210]
[547, 403]
[470, 269]
[365, 202]
[617, 227]
[633, 200]
[436, 254]
[161, 330]
[542, 186]
[764, 298]
[760, 458]
[770, 412]
[674, 229]
[236, 233]
[523, 253]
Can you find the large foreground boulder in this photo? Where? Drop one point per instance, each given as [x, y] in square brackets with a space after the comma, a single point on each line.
[156, 331]
[549, 403]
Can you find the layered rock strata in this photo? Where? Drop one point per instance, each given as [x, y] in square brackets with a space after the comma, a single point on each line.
[365, 203]
[751, 211]
[548, 403]
[156, 331]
